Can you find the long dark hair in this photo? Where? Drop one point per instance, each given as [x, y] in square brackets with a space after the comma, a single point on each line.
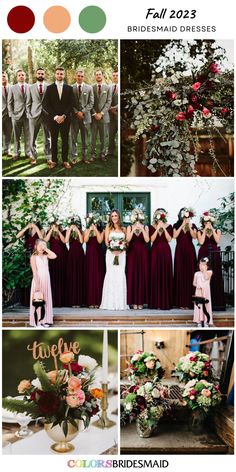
[180, 219]
[110, 222]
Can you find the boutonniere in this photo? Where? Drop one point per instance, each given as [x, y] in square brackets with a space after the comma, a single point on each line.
[104, 91]
[85, 93]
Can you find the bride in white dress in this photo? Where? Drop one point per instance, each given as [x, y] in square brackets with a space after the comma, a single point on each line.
[114, 293]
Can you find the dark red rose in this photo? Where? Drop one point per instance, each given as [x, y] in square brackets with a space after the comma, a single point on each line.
[193, 392]
[224, 111]
[133, 388]
[33, 396]
[163, 216]
[191, 214]
[194, 98]
[181, 116]
[206, 213]
[192, 358]
[190, 111]
[140, 400]
[207, 365]
[215, 68]
[196, 86]
[210, 103]
[75, 367]
[48, 403]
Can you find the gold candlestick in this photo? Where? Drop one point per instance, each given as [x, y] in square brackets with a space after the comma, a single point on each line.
[104, 421]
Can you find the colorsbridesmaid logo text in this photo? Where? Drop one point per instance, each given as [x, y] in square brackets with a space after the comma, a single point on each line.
[115, 464]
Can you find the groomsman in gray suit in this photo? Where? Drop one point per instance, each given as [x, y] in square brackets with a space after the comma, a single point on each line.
[16, 103]
[100, 114]
[6, 120]
[81, 116]
[36, 115]
[113, 112]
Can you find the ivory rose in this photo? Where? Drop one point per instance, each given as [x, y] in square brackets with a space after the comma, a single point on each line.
[23, 386]
[67, 357]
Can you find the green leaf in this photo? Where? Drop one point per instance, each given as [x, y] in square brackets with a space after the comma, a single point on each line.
[65, 427]
[43, 378]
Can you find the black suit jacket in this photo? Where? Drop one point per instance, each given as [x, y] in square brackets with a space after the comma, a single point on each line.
[53, 106]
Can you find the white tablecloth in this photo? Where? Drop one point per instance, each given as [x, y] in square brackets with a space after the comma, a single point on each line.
[93, 440]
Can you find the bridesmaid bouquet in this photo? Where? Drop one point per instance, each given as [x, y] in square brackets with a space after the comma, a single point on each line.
[93, 219]
[160, 215]
[207, 217]
[61, 397]
[116, 243]
[200, 394]
[187, 213]
[144, 366]
[194, 365]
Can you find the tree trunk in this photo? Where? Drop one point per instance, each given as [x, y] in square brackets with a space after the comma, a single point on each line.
[30, 65]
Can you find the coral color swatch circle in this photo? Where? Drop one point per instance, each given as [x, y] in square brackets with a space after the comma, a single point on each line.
[56, 19]
[92, 19]
[21, 19]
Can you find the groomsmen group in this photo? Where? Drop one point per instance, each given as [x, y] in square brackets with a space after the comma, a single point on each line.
[75, 112]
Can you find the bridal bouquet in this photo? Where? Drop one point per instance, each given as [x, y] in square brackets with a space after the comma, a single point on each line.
[117, 243]
[194, 365]
[61, 397]
[200, 394]
[145, 366]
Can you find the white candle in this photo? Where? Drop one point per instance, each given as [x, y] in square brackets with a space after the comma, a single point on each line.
[105, 358]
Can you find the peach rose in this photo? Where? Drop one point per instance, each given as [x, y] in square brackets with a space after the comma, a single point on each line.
[97, 393]
[150, 364]
[206, 393]
[205, 373]
[23, 386]
[54, 376]
[74, 383]
[72, 401]
[80, 396]
[67, 357]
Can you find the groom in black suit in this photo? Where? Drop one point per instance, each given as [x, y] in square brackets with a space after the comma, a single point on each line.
[58, 104]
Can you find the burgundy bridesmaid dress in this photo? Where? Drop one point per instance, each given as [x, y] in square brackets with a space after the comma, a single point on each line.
[57, 269]
[75, 273]
[217, 285]
[185, 266]
[137, 271]
[94, 272]
[29, 247]
[161, 274]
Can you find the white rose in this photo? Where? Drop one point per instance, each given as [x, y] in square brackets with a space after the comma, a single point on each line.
[87, 362]
[156, 393]
[141, 391]
[158, 217]
[148, 386]
[205, 218]
[129, 406]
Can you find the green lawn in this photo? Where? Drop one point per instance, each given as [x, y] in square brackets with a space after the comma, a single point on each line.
[23, 168]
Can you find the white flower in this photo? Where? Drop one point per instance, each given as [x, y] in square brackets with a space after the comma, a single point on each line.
[158, 216]
[205, 218]
[129, 406]
[87, 362]
[136, 357]
[148, 386]
[190, 384]
[36, 383]
[186, 214]
[141, 391]
[156, 393]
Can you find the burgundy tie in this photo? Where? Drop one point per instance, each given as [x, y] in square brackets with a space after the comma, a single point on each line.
[115, 88]
[99, 89]
[79, 90]
[40, 89]
[5, 90]
[22, 89]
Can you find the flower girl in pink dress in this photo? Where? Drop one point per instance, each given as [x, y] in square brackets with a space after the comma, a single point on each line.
[201, 281]
[41, 285]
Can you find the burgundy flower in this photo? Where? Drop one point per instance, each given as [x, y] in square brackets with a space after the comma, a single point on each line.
[48, 403]
[193, 392]
[163, 216]
[224, 111]
[171, 95]
[33, 396]
[75, 367]
[190, 111]
[206, 213]
[207, 365]
[191, 214]
[210, 103]
[133, 388]
[155, 128]
[192, 358]
[215, 68]
[181, 116]
[140, 400]
[196, 86]
[194, 98]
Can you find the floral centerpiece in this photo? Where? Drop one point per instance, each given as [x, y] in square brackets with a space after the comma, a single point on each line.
[145, 366]
[146, 404]
[194, 365]
[62, 397]
[200, 396]
[117, 243]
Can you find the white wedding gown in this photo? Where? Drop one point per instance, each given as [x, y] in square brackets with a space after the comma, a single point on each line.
[114, 293]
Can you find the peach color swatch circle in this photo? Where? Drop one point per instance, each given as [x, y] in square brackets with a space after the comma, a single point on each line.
[56, 19]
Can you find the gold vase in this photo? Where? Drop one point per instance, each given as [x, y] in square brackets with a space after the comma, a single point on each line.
[62, 444]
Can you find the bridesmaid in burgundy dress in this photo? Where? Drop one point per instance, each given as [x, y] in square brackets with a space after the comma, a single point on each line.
[185, 261]
[94, 263]
[161, 274]
[75, 264]
[31, 232]
[137, 261]
[58, 266]
[208, 238]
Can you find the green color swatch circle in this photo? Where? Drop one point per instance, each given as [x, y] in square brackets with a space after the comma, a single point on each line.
[92, 19]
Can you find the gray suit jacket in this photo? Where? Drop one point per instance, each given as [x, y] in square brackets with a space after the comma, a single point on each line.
[16, 101]
[4, 101]
[102, 102]
[85, 102]
[114, 99]
[34, 100]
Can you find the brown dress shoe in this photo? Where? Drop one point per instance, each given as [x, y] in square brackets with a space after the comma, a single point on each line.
[66, 165]
[51, 164]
